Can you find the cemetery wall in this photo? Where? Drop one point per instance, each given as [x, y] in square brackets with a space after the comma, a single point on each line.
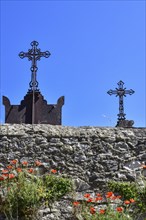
[90, 155]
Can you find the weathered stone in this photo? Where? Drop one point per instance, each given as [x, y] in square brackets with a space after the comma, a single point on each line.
[143, 156]
[134, 164]
[121, 176]
[81, 185]
[93, 177]
[67, 149]
[54, 140]
[130, 177]
[80, 158]
[121, 146]
[90, 155]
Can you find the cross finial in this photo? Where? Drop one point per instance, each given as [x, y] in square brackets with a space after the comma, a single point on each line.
[33, 55]
[121, 92]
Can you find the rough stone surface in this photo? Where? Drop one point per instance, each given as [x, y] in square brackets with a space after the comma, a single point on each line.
[89, 155]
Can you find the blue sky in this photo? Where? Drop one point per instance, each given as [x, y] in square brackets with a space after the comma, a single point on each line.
[93, 45]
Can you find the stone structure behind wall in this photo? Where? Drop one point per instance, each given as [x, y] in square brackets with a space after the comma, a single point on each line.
[89, 155]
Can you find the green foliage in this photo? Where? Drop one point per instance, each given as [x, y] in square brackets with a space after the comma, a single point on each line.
[131, 190]
[56, 186]
[110, 214]
[21, 196]
[126, 189]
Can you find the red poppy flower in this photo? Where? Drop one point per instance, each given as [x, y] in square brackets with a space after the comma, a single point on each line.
[38, 163]
[87, 195]
[100, 198]
[90, 200]
[132, 200]
[14, 161]
[109, 194]
[119, 209]
[92, 210]
[76, 203]
[5, 174]
[119, 197]
[5, 171]
[9, 167]
[127, 202]
[19, 170]
[53, 171]
[102, 211]
[24, 163]
[30, 170]
[98, 195]
[11, 176]
[1, 178]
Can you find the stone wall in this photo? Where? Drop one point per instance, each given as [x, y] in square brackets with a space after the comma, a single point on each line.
[90, 155]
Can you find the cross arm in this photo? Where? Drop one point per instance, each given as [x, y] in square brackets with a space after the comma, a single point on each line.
[23, 55]
[130, 92]
[45, 54]
[112, 92]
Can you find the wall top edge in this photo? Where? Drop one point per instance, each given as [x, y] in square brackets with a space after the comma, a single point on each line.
[59, 131]
[67, 126]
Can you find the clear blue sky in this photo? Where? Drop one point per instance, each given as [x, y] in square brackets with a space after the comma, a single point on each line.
[93, 45]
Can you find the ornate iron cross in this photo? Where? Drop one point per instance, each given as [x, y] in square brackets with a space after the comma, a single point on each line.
[33, 55]
[121, 92]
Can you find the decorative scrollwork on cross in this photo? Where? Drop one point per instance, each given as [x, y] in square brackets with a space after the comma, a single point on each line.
[121, 92]
[34, 55]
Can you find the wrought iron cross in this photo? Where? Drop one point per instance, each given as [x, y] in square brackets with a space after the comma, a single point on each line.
[121, 92]
[33, 55]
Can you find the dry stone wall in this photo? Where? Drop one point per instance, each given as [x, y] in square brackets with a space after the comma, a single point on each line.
[89, 155]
